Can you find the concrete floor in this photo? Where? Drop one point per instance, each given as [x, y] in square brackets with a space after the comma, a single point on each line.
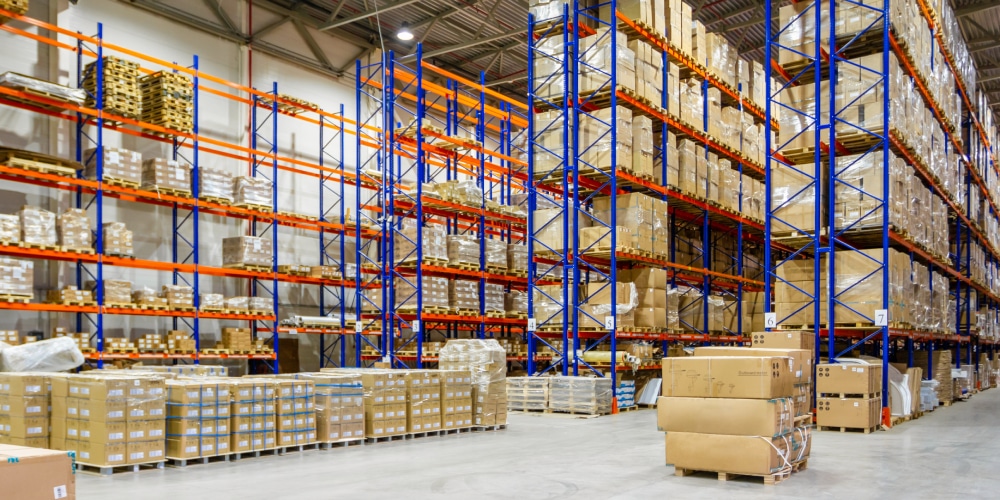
[950, 453]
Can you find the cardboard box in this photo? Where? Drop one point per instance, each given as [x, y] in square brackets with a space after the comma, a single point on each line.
[727, 377]
[721, 453]
[35, 474]
[852, 378]
[101, 454]
[758, 417]
[785, 339]
[848, 412]
[801, 365]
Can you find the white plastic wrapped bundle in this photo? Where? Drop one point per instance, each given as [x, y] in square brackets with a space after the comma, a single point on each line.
[212, 301]
[178, 296]
[580, 394]
[468, 193]
[37, 226]
[246, 251]
[10, 79]
[260, 304]
[215, 184]
[463, 295]
[252, 191]
[496, 254]
[463, 249]
[51, 355]
[117, 239]
[117, 292]
[238, 304]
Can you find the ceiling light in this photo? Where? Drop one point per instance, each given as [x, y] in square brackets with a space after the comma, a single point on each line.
[404, 32]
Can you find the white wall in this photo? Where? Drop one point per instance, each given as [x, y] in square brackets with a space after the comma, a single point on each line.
[220, 118]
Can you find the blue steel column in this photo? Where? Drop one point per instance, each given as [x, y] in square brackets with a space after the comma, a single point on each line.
[543, 185]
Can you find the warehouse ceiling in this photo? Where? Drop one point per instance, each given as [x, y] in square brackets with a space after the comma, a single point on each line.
[471, 37]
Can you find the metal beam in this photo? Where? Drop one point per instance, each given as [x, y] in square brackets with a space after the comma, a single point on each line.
[489, 18]
[980, 48]
[975, 9]
[465, 45]
[269, 28]
[509, 79]
[221, 15]
[365, 15]
[442, 15]
[512, 45]
[311, 42]
[336, 12]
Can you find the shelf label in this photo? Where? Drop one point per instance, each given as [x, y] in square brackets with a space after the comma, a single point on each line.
[770, 320]
[609, 322]
[358, 327]
[881, 317]
[531, 324]
[416, 326]
[292, 331]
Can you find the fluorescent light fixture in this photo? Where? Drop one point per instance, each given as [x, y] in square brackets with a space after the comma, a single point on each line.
[404, 32]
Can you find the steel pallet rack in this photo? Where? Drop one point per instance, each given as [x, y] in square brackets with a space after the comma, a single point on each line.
[836, 133]
[570, 184]
[185, 266]
[422, 132]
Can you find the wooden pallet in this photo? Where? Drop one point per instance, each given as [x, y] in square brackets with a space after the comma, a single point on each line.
[152, 307]
[40, 246]
[428, 261]
[80, 250]
[73, 303]
[849, 429]
[115, 181]
[36, 162]
[253, 206]
[246, 267]
[462, 266]
[216, 199]
[517, 315]
[425, 310]
[121, 350]
[179, 308]
[496, 314]
[496, 270]
[107, 470]
[215, 351]
[121, 305]
[769, 479]
[18, 299]
[181, 193]
[465, 312]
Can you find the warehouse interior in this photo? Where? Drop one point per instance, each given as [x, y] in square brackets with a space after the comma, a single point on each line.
[289, 235]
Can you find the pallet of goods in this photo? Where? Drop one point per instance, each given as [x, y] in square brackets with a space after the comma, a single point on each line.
[120, 93]
[167, 101]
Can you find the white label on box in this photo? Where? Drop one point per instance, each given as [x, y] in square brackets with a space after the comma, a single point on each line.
[771, 321]
[155, 433]
[256, 245]
[59, 492]
[136, 456]
[136, 434]
[113, 157]
[191, 449]
[155, 453]
[34, 430]
[116, 458]
[179, 174]
[116, 435]
[855, 404]
[17, 273]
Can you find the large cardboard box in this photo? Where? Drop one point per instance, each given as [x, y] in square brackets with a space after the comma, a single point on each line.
[35, 474]
[801, 362]
[758, 417]
[785, 339]
[848, 412]
[842, 378]
[721, 453]
[727, 377]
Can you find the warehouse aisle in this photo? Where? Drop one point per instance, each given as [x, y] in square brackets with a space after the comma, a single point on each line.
[608, 457]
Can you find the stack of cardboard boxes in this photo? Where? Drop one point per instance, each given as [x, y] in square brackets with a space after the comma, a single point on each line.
[74, 231]
[110, 419]
[171, 176]
[252, 415]
[295, 410]
[456, 399]
[197, 418]
[237, 340]
[423, 400]
[486, 360]
[252, 191]
[699, 396]
[215, 185]
[246, 251]
[17, 277]
[180, 341]
[38, 227]
[117, 239]
[24, 409]
[340, 407]
[848, 396]
[119, 166]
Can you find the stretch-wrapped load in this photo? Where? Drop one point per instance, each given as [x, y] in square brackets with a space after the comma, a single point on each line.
[160, 174]
[433, 244]
[462, 249]
[215, 185]
[17, 277]
[435, 293]
[246, 251]
[74, 230]
[252, 191]
[38, 227]
[117, 239]
[119, 165]
[487, 362]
